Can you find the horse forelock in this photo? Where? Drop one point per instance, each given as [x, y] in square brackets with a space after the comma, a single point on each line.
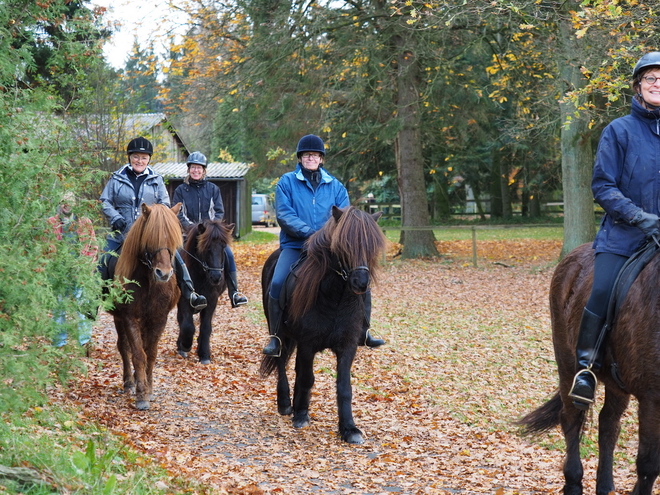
[355, 240]
[216, 233]
[159, 229]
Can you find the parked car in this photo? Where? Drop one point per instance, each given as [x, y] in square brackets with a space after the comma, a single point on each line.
[263, 212]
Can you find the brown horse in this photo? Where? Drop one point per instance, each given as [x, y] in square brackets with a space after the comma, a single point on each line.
[633, 346]
[145, 269]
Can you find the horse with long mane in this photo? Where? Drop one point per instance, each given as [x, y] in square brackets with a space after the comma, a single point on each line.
[325, 311]
[204, 255]
[630, 367]
[145, 268]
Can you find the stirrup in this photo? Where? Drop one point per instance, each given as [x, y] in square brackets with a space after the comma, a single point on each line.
[585, 400]
[236, 295]
[279, 346]
[372, 342]
[200, 305]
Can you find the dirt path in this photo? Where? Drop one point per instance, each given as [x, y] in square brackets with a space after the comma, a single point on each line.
[434, 404]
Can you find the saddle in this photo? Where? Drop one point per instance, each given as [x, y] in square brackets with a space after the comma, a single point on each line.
[289, 282]
[628, 274]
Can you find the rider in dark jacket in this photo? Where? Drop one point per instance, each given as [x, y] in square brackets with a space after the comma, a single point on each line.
[128, 188]
[201, 200]
[626, 183]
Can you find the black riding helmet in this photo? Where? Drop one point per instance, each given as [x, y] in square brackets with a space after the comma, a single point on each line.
[140, 145]
[310, 143]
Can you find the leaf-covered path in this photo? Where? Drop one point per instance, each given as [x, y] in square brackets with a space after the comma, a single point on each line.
[469, 350]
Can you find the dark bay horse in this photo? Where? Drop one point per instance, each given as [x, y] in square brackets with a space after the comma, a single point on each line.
[145, 269]
[633, 344]
[204, 255]
[325, 311]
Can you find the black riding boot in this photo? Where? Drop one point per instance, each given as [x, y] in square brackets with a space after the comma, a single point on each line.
[197, 301]
[236, 298]
[366, 338]
[274, 346]
[583, 390]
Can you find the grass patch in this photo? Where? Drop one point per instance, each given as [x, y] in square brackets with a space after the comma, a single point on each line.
[489, 232]
[257, 237]
[56, 452]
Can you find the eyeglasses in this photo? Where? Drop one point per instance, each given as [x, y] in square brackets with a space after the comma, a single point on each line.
[311, 156]
[650, 79]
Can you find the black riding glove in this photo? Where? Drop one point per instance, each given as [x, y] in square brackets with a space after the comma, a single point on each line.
[647, 223]
[120, 225]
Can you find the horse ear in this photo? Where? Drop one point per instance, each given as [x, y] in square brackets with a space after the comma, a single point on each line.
[176, 208]
[336, 213]
[145, 209]
[231, 227]
[201, 227]
[376, 216]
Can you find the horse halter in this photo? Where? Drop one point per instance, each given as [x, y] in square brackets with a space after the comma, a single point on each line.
[345, 274]
[147, 258]
[206, 267]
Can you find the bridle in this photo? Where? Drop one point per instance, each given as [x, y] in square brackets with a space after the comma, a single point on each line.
[206, 267]
[147, 258]
[344, 274]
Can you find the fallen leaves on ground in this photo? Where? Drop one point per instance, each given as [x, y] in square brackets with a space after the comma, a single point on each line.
[468, 351]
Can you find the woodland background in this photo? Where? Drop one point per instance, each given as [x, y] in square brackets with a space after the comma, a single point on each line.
[416, 101]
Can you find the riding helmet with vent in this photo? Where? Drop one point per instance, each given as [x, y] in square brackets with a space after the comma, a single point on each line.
[196, 158]
[140, 145]
[651, 59]
[310, 143]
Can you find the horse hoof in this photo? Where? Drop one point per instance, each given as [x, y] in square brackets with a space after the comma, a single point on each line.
[142, 405]
[205, 361]
[129, 389]
[301, 422]
[183, 354]
[353, 437]
[285, 410]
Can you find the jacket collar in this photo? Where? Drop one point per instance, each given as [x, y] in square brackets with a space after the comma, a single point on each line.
[325, 176]
[640, 111]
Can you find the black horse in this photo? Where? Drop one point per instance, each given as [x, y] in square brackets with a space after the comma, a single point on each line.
[633, 346]
[325, 310]
[204, 255]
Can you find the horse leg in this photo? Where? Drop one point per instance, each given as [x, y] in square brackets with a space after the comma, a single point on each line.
[150, 338]
[283, 390]
[124, 348]
[648, 454]
[347, 430]
[205, 330]
[139, 367]
[186, 328]
[609, 426]
[302, 390]
[571, 421]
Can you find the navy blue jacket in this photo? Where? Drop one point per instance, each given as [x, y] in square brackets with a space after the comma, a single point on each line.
[200, 200]
[301, 210]
[626, 178]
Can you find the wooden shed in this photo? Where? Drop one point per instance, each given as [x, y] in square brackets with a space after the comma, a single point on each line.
[229, 177]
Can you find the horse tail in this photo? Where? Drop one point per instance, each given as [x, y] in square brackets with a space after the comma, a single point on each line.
[544, 418]
[269, 363]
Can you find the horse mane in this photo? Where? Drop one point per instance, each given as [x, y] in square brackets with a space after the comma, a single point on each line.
[355, 239]
[213, 232]
[158, 227]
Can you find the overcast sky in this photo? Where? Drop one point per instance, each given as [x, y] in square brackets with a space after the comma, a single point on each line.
[148, 20]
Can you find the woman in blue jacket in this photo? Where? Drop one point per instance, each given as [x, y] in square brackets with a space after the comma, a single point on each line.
[201, 200]
[303, 201]
[626, 183]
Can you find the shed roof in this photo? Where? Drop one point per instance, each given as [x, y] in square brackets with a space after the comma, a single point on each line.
[214, 170]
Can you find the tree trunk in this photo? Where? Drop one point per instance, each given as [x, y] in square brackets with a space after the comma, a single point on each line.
[409, 161]
[576, 151]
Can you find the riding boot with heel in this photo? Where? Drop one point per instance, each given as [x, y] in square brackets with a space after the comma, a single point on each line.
[236, 298]
[366, 339]
[274, 346]
[589, 341]
[197, 301]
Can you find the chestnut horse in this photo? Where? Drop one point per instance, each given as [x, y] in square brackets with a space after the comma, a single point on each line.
[631, 366]
[325, 311]
[145, 268]
[204, 255]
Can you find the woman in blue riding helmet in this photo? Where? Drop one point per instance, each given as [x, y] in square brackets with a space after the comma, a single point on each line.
[201, 200]
[625, 183]
[128, 188]
[303, 202]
